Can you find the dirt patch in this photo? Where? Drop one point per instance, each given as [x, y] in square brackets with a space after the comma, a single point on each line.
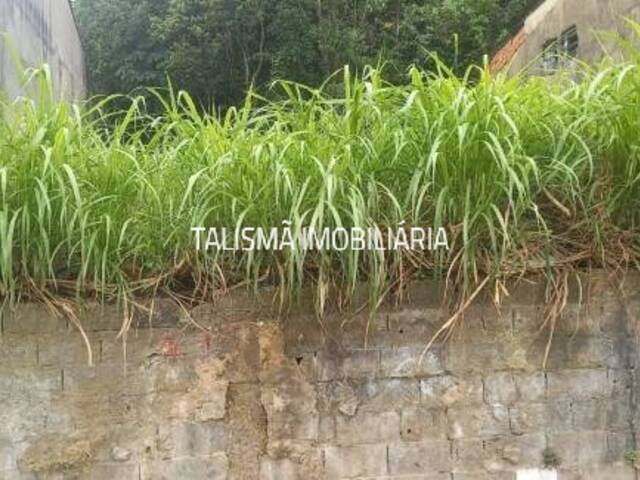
[54, 454]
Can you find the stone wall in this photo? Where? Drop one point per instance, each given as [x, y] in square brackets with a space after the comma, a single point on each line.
[233, 391]
[41, 31]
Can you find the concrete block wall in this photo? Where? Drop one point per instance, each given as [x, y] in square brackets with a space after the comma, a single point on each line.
[41, 31]
[234, 391]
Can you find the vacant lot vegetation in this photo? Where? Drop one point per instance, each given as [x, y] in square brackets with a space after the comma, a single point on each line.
[539, 174]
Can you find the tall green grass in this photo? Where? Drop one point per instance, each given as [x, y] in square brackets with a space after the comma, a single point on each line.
[526, 174]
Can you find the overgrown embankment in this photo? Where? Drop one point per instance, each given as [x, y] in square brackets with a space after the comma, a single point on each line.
[525, 174]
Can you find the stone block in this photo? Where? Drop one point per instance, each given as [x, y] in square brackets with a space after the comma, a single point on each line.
[191, 439]
[409, 327]
[424, 294]
[410, 362]
[32, 318]
[26, 383]
[112, 471]
[473, 324]
[214, 467]
[237, 306]
[103, 379]
[360, 363]
[557, 357]
[524, 451]
[597, 351]
[603, 414]
[479, 421]
[382, 395]
[577, 384]
[552, 416]
[526, 319]
[621, 382]
[226, 343]
[618, 445]
[326, 429]
[356, 461]
[471, 356]
[179, 376]
[578, 320]
[141, 347]
[359, 332]
[419, 457]
[603, 472]
[580, 448]
[304, 334]
[419, 476]
[246, 425]
[236, 344]
[69, 350]
[99, 317]
[8, 455]
[525, 292]
[287, 426]
[368, 427]
[531, 387]
[159, 313]
[290, 395]
[447, 390]
[338, 396]
[18, 351]
[213, 405]
[482, 475]
[321, 366]
[18, 475]
[500, 388]
[306, 466]
[610, 315]
[291, 412]
[498, 453]
[493, 322]
[278, 469]
[277, 361]
[419, 423]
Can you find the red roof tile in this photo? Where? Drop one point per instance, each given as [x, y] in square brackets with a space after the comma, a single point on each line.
[506, 53]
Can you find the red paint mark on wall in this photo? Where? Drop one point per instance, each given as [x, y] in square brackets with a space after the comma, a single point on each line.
[205, 342]
[170, 346]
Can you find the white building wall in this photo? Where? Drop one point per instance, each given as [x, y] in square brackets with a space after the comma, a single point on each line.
[41, 31]
[591, 17]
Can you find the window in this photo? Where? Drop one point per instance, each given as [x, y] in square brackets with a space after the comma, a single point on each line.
[557, 53]
[569, 41]
[550, 56]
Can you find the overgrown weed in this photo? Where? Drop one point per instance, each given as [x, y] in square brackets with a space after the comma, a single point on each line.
[526, 174]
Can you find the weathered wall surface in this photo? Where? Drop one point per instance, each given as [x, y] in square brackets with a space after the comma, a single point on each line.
[591, 17]
[238, 393]
[42, 31]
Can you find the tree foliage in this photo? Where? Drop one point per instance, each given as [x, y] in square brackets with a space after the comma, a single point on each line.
[218, 49]
[121, 48]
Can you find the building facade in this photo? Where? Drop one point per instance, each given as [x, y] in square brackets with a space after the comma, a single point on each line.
[558, 31]
[35, 32]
